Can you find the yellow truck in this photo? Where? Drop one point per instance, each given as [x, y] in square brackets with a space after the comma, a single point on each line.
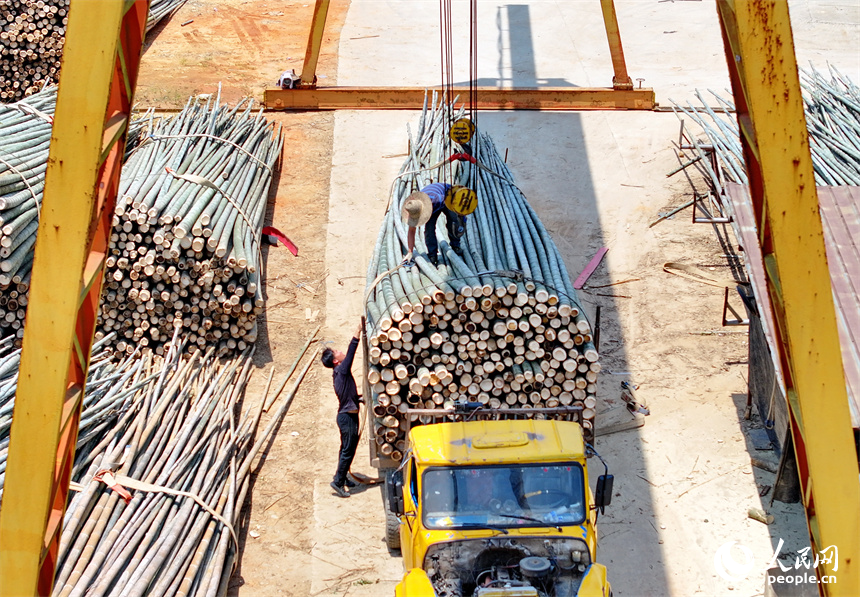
[497, 508]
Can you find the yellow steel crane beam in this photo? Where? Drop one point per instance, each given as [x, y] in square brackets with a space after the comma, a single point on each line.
[763, 69]
[307, 96]
[104, 39]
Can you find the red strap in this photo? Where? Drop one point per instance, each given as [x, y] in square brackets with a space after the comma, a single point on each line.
[281, 237]
[106, 477]
[463, 156]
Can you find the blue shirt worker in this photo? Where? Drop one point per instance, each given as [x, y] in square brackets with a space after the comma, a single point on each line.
[423, 208]
[347, 413]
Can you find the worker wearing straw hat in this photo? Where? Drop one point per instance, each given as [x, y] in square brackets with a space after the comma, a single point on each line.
[423, 208]
[347, 413]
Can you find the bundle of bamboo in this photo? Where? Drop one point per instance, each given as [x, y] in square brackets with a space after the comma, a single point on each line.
[187, 227]
[32, 36]
[161, 9]
[178, 443]
[25, 128]
[111, 385]
[501, 325]
[32, 33]
[832, 109]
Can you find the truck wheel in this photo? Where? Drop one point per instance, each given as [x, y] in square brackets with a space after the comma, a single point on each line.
[392, 523]
[392, 530]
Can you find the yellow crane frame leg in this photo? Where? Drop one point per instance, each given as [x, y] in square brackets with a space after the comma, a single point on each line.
[763, 70]
[104, 39]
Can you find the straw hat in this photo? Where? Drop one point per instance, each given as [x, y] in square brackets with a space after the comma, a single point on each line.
[417, 209]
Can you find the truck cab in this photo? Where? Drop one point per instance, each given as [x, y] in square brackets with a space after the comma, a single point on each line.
[498, 508]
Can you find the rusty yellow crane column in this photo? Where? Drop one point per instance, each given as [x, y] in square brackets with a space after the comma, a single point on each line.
[104, 39]
[621, 80]
[309, 70]
[763, 69]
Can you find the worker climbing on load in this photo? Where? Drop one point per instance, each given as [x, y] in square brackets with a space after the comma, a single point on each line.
[422, 208]
[347, 413]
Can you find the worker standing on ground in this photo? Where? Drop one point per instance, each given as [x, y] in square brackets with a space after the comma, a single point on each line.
[423, 208]
[347, 413]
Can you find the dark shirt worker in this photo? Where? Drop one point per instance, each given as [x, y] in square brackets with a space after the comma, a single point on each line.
[347, 413]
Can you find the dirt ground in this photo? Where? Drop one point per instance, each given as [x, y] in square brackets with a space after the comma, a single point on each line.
[683, 482]
[245, 45]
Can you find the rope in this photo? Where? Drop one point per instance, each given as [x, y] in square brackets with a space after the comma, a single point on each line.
[379, 279]
[193, 178]
[208, 183]
[118, 483]
[150, 488]
[214, 138]
[28, 109]
[473, 75]
[29, 188]
[447, 53]
[454, 157]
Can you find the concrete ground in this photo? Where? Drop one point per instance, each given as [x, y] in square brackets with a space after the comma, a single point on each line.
[683, 482]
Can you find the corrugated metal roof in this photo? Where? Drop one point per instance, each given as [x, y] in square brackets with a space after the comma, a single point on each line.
[840, 215]
[841, 218]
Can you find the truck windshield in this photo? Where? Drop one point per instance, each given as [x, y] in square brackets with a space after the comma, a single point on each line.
[496, 495]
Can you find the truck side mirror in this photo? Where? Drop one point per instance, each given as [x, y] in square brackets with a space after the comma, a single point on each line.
[394, 488]
[603, 492]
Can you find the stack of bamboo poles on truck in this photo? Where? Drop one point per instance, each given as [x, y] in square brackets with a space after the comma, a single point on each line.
[501, 325]
[32, 34]
[187, 228]
[832, 109]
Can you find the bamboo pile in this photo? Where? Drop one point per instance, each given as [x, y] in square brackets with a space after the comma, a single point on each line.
[185, 453]
[832, 110]
[160, 10]
[186, 240]
[25, 128]
[111, 385]
[32, 36]
[501, 326]
[10, 357]
[32, 33]
[162, 468]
